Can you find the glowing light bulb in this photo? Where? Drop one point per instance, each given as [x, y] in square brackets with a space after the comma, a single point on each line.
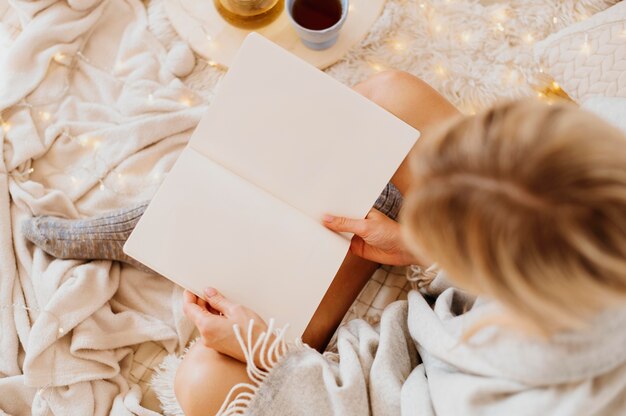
[59, 57]
[84, 140]
[398, 45]
[61, 330]
[95, 143]
[441, 70]
[466, 37]
[101, 186]
[585, 48]
[529, 38]
[377, 67]
[150, 98]
[438, 28]
[555, 85]
[422, 6]
[6, 126]
[555, 20]
[212, 63]
[500, 27]
[213, 45]
[44, 115]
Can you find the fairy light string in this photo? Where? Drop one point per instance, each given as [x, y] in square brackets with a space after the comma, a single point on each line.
[499, 19]
[101, 175]
[112, 181]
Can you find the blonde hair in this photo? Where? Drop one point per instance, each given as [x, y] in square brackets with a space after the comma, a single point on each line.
[526, 204]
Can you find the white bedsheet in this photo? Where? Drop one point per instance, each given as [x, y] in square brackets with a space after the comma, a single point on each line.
[69, 328]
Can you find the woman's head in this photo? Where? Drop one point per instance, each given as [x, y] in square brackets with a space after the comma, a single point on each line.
[526, 203]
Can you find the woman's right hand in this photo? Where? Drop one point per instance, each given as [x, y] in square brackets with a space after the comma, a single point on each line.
[377, 238]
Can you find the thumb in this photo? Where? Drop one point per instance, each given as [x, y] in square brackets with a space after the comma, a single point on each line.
[345, 225]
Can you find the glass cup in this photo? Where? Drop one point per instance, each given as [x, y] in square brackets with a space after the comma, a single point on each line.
[249, 14]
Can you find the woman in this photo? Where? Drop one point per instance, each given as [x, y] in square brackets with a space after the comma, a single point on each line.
[523, 206]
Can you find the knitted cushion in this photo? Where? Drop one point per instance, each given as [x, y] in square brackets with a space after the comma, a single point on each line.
[589, 58]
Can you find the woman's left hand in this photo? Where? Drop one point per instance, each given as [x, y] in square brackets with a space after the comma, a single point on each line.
[215, 316]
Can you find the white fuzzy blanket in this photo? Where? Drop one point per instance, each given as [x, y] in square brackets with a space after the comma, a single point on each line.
[92, 119]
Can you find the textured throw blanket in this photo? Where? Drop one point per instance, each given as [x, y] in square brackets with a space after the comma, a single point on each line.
[414, 363]
[91, 120]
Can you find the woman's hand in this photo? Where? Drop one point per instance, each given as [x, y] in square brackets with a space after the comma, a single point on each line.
[215, 316]
[376, 238]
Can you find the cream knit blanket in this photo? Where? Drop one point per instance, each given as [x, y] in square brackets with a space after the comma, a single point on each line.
[414, 363]
[92, 120]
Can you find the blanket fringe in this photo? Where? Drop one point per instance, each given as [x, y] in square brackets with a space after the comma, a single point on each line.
[420, 277]
[270, 353]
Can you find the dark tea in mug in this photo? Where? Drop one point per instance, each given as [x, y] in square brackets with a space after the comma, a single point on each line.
[316, 14]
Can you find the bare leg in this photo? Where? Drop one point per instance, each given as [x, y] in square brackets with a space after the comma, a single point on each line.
[411, 100]
[205, 376]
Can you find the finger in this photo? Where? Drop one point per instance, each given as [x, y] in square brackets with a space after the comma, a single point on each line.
[218, 302]
[209, 325]
[202, 303]
[189, 297]
[375, 214]
[194, 312]
[379, 217]
[205, 305]
[347, 225]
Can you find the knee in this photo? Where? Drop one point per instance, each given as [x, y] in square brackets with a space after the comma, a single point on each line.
[192, 377]
[186, 382]
[204, 379]
[387, 83]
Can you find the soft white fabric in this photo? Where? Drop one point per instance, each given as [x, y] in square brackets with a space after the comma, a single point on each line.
[135, 130]
[473, 52]
[127, 118]
[415, 363]
[611, 109]
[588, 59]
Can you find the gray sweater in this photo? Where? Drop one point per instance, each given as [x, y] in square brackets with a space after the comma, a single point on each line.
[413, 363]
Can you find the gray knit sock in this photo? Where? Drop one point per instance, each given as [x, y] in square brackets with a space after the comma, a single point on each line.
[97, 238]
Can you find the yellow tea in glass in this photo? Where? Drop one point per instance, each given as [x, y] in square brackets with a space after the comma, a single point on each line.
[249, 14]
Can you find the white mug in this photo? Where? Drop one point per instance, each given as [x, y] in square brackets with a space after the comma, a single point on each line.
[318, 39]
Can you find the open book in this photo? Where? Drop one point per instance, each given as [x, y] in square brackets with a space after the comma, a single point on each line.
[281, 145]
